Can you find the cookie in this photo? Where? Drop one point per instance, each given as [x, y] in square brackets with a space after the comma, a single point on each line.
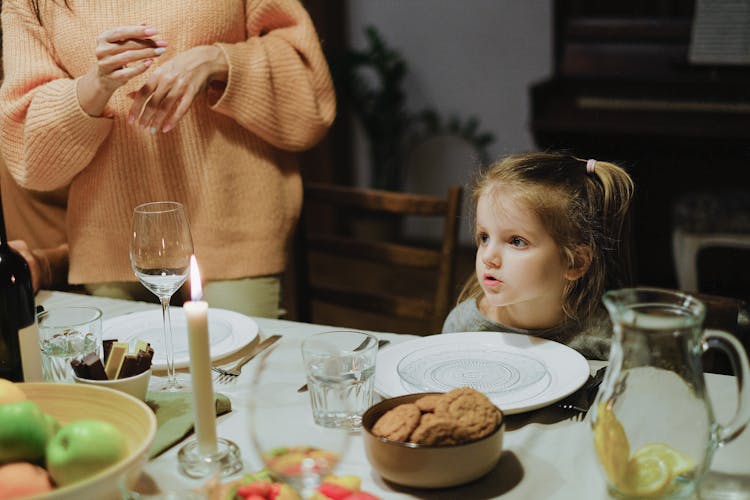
[473, 412]
[427, 403]
[434, 430]
[398, 423]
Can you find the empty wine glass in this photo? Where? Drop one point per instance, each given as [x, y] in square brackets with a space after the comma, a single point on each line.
[160, 253]
[282, 429]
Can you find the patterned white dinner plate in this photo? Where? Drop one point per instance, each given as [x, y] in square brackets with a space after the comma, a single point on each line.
[228, 332]
[517, 372]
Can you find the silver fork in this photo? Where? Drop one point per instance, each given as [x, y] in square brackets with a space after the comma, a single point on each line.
[231, 374]
[581, 400]
[579, 414]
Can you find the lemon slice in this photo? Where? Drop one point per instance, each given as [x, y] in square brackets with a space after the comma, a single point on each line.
[678, 463]
[647, 476]
[611, 444]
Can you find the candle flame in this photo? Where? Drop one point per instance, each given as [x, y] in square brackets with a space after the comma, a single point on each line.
[196, 290]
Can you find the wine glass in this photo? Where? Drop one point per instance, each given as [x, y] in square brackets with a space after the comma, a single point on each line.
[284, 434]
[160, 253]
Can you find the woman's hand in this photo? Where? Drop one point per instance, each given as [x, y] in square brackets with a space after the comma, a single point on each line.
[121, 54]
[172, 87]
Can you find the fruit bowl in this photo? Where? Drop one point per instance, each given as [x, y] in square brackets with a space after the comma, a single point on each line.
[135, 420]
[428, 466]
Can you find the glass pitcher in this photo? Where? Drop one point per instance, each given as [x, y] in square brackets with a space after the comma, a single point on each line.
[653, 423]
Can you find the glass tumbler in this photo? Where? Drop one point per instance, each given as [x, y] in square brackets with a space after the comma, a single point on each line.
[340, 369]
[67, 333]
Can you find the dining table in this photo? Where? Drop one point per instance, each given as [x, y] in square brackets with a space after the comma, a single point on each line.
[548, 453]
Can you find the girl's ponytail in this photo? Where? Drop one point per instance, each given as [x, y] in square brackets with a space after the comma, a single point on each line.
[617, 190]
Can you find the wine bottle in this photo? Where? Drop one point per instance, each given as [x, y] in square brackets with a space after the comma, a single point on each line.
[20, 355]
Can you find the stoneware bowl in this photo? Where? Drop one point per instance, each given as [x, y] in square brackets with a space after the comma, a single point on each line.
[136, 421]
[136, 386]
[423, 466]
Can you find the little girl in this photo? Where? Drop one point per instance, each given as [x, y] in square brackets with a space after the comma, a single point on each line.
[550, 240]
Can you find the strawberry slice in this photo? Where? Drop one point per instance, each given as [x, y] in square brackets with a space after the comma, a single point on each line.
[361, 495]
[259, 488]
[334, 491]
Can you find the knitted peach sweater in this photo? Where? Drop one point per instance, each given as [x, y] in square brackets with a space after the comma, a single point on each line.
[230, 163]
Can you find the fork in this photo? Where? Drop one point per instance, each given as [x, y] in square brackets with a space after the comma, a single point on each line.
[231, 374]
[581, 400]
[578, 415]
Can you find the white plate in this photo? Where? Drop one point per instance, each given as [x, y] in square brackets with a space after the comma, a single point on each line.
[228, 332]
[517, 372]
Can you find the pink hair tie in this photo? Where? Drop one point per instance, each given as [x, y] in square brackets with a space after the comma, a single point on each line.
[590, 165]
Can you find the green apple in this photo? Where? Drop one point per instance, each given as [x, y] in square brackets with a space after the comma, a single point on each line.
[52, 425]
[82, 448]
[24, 432]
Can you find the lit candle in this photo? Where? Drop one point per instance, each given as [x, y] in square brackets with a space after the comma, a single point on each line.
[196, 312]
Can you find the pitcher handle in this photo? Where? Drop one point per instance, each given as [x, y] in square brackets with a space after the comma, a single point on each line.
[736, 353]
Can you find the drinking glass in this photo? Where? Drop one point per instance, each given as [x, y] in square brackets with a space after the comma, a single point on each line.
[66, 333]
[137, 485]
[282, 429]
[340, 367]
[160, 253]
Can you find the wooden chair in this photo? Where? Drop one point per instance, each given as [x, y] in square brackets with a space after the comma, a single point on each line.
[351, 255]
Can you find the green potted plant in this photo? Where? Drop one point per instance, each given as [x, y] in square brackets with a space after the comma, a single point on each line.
[370, 83]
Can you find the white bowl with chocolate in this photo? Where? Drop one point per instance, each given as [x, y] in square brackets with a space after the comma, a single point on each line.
[433, 440]
[136, 386]
[121, 370]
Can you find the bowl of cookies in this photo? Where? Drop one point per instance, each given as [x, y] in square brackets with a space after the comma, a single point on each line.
[434, 440]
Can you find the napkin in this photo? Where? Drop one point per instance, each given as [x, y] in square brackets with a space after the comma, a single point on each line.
[175, 417]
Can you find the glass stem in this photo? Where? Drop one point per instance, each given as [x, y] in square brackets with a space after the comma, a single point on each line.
[168, 345]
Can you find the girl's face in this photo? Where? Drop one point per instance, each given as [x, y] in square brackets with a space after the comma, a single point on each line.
[518, 265]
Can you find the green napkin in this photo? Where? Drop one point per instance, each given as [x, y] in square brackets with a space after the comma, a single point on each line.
[175, 417]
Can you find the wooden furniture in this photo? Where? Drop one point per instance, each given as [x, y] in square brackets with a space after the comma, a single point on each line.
[624, 89]
[710, 220]
[339, 262]
[730, 315]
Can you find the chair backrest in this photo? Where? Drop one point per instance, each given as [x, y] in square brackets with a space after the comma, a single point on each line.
[730, 315]
[338, 240]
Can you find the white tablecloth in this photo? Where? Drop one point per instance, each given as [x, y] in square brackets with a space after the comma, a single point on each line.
[545, 455]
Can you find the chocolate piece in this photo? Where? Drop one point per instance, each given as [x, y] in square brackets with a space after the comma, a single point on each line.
[79, 368]
[142, 362]
[114, 361]
[141, 345]
[94, 366]
[106, 347]
[129, 366]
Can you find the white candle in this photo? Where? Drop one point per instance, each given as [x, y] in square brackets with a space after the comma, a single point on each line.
[196, 313]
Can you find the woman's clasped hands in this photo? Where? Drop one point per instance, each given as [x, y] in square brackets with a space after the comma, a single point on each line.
[125, 52]
[122, 53]
[172, 87]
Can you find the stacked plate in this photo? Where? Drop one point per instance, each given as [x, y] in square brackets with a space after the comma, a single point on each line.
[517, 372]
[229, 332]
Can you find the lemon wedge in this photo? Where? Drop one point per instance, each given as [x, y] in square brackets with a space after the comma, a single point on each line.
[611, 444]
[677, 462]
[647, 476]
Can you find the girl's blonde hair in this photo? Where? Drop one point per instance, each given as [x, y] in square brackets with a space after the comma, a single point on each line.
[578, 207]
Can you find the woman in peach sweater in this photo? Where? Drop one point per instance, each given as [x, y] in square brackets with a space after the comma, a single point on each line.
[199, 102]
